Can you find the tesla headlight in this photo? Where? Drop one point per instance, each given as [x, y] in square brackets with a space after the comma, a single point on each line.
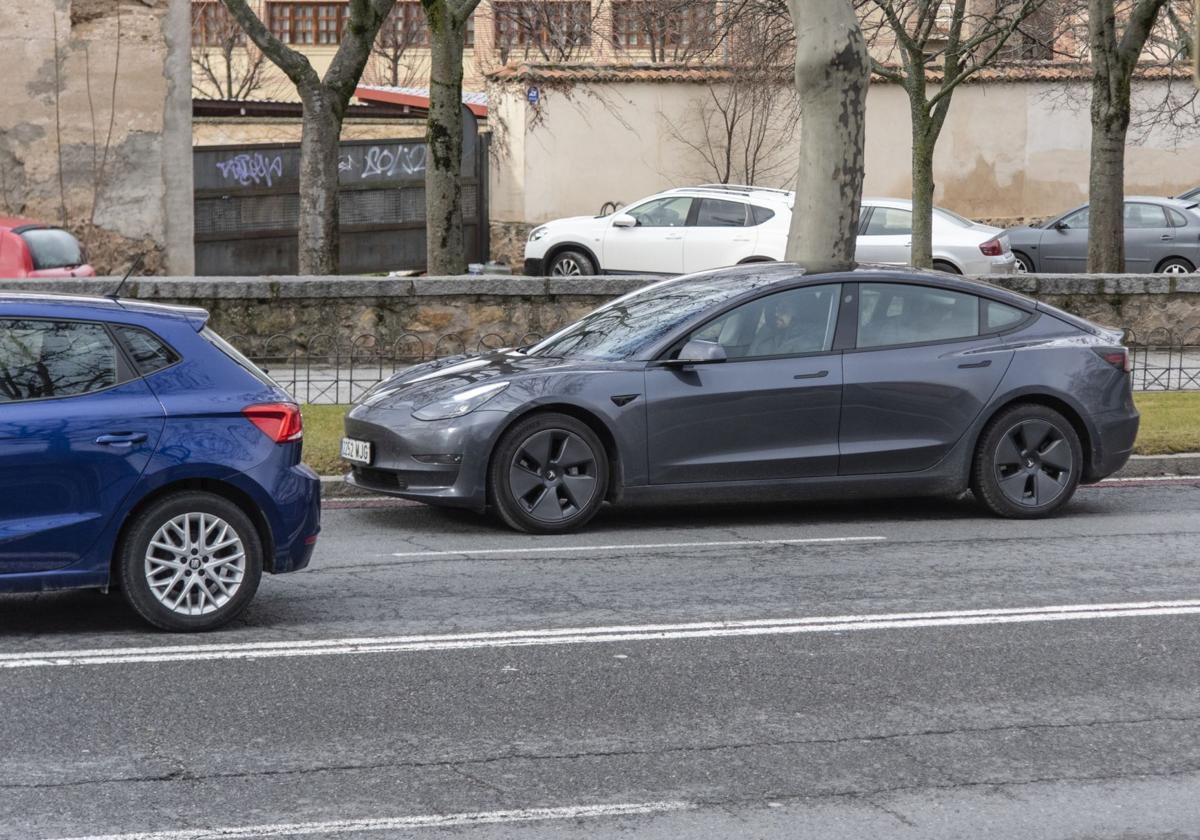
[458, 404]
[538, 232]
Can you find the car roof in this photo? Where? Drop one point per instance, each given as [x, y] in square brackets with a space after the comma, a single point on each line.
[734, 191]
[10, 222]
[35, 304]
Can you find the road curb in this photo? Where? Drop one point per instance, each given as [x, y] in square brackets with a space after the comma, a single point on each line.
[1139, 466]
[1144, 466]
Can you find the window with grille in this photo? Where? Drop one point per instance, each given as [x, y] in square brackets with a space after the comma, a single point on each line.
[213, 26]
[558, 23]
[406, 26]
[639, 24]
[307, 23]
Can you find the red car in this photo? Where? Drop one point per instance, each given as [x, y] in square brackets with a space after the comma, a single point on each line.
[33, 249]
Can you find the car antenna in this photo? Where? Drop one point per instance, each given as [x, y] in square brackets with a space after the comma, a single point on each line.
[134, 266]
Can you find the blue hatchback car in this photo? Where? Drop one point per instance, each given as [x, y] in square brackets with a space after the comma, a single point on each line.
[140, 451]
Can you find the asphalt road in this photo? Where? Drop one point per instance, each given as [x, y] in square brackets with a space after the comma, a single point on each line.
[886, 669]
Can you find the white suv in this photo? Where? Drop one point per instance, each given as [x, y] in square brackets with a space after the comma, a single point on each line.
[698, 228]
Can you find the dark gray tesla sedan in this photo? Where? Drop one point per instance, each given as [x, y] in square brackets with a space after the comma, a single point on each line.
[760, 382]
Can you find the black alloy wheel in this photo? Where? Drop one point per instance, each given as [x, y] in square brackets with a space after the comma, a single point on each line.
[549, 474]
[1028, 463]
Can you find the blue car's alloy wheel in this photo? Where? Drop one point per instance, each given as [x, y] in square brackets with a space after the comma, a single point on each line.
[191, 561]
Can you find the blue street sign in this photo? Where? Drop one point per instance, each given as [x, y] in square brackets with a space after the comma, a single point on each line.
[533, 95]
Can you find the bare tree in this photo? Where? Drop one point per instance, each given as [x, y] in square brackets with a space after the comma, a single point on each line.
[1115, 49]
[400, 36]
[444, 245]
[324, 100]
[742, 125]
[833, 71]
[951, 40]
[224, 65]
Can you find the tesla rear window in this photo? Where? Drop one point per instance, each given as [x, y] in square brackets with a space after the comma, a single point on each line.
[52, 248]
[45, 359]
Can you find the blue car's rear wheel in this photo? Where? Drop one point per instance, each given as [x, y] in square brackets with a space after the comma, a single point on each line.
[191, 561]
[549, 474]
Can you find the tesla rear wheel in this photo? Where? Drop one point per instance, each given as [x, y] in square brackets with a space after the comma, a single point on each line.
[571, 264]
[1023, 264]
[549, 474]
[1028, 462]
[1175, 265]
[191, 561]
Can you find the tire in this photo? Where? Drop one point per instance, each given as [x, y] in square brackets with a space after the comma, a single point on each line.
[1023, 265]
[1175, 265]
[570, 263]
[1028, 462]
[208, 596]
[548, 475]
[947, 267]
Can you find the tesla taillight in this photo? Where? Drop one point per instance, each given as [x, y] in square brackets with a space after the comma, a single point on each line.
[992, 248]
[280, 422]
[1117, 357]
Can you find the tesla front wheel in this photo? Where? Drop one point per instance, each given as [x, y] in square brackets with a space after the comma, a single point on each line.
[191, 561]
[549, 474]
[1028, 462]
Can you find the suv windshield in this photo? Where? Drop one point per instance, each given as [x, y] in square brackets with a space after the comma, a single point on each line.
[628, 326]
[52, 248]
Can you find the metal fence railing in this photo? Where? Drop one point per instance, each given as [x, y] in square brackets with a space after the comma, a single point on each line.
[330, 368]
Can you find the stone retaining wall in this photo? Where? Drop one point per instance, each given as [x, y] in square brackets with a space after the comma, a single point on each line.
[1160, 309]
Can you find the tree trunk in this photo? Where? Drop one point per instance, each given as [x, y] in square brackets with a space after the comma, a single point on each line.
[445, 247]
[832, 74]
[1106, 179]
[924, 140]
[318, 223]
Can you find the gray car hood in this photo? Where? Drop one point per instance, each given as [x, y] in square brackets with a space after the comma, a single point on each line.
[427, 382]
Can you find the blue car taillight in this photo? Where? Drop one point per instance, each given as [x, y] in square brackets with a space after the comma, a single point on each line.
[281, 422]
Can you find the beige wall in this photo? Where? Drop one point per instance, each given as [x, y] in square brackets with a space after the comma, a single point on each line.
[99, 143]
[1011, 150]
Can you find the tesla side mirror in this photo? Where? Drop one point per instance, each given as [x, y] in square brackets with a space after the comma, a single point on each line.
[1061, 226]
[700, 352]
[624, 220]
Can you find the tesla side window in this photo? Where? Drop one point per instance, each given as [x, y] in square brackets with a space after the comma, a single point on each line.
[148, 352]
[889, 221]
[895, 313]
[44, 359]
[784, 324]
[999, 316]
[663, 212]
[1139, 215]
[714, 212]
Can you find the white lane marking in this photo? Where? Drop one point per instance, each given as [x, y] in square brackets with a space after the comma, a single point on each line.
[248, 832]
[473, 552]
[1146, 478]
[586, 635]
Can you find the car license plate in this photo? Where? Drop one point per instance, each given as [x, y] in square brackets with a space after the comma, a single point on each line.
[356, 450]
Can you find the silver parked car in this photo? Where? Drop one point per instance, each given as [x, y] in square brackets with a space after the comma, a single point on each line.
[1162, 235]
[1191, 195]
[960, 246]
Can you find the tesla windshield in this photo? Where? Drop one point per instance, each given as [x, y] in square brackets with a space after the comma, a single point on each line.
[631, 324]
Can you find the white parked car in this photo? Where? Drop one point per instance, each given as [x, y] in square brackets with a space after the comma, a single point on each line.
[697, 228]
